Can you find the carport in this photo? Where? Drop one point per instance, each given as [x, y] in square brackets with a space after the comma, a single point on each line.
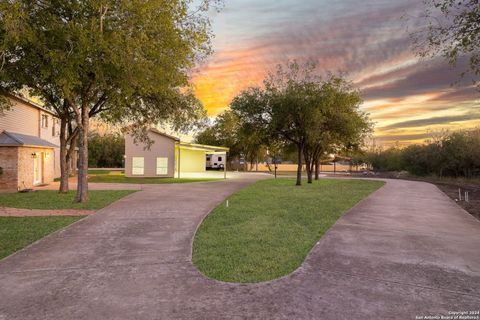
[191, 157]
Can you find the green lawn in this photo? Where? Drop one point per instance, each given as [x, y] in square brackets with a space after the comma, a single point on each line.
[100, 171]
[18, 232]
[47, 199]
[270, 227]
[119, 177]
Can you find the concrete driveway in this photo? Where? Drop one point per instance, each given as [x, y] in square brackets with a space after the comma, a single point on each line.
[406, 251]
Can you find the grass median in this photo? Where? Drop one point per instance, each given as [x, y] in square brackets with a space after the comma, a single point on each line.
[269, 227]
[53, 200]
[18, 232]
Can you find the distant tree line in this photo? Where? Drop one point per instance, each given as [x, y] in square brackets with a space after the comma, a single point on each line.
[453, 155]
[106, 151]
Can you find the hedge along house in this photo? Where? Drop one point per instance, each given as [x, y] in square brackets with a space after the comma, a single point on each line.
[167, 157]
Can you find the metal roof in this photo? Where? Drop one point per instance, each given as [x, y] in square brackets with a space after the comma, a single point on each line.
[13, 139]
[202, 147]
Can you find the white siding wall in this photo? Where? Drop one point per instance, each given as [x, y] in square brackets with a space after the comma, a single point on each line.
[164, 147]
[21, 118]
[47, 134]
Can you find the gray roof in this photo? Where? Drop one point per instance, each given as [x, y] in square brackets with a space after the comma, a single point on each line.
[23, 140]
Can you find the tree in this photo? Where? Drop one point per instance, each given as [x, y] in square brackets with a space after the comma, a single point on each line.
[223, 132]
[280, 110]
[298, 108]
[231, 131]
[252, 144]
[339, 125]
[125, 61]
[452, 31]
[253, 134]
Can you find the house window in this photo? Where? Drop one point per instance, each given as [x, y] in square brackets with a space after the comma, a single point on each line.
[44, 121]
[138, 165]
[162, 165]
[219, 158]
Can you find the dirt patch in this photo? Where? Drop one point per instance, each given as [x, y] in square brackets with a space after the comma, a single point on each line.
[18, 212]
[451, 189]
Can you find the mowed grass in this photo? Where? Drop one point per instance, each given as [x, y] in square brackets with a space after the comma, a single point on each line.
[270, 227]
[18, 232]
[119, 177]
[100, 171]
[50, 199]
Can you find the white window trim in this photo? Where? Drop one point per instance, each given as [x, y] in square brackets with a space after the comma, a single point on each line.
[136, 170]
[164, 169]
[44, 120]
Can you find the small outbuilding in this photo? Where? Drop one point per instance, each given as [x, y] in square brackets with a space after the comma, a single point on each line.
[166, 157]
[25, 161]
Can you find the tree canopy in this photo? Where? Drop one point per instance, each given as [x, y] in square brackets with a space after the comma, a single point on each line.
[126, 61]
[298, 107]
[452, 31]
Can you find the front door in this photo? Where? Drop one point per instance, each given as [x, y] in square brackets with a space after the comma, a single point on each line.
[37, 168]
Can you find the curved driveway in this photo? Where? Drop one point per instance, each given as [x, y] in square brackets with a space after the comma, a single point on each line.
[406, 251]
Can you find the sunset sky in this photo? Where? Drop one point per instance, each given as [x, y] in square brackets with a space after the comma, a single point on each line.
[369, 40]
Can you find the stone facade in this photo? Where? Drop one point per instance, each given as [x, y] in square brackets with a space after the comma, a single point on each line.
[8, 163]
[18, 167]
[25, 166]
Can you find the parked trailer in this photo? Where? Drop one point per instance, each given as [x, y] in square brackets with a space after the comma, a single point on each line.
[215, 161]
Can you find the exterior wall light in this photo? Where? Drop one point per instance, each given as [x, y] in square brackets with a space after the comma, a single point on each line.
[34, 155]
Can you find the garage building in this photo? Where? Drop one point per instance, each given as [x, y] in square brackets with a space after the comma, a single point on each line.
[166, 157]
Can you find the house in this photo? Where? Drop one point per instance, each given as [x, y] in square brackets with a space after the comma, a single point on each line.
[166, 157]
[29, 145]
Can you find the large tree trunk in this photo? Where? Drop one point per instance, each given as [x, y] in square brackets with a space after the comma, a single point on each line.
[309, 168]
[64, 165]
[72, 165]
[82, 184]
[299, 165]
[308, 158]
[317, 154]
[309, 171]
[317, 169]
